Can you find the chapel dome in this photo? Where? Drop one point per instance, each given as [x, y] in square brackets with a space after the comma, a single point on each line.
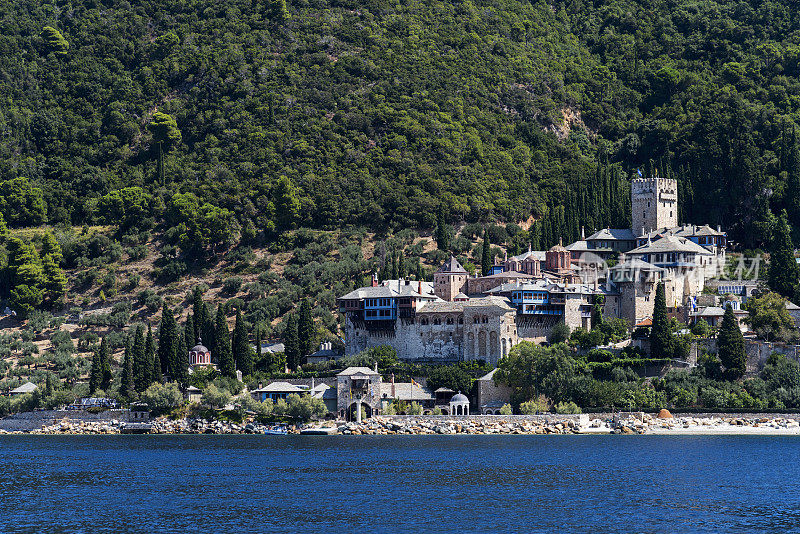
[459, 398]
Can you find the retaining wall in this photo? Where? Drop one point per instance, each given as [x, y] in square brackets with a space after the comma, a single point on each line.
[27, 421]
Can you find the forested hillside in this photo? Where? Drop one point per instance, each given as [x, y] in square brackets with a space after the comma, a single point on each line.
[375, 113]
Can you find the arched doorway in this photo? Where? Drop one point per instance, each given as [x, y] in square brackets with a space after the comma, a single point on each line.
[482, 345]
[366, 411]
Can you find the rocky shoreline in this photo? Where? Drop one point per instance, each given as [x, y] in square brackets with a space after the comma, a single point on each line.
[633, 423]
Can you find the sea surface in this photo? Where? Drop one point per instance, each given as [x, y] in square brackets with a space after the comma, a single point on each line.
[371, 484]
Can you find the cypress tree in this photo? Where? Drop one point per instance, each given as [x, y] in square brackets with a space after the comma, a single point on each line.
[206, 328]
[305, 329]
[197, 314]
[151, 357]
[783, 269]
[48, 386]
[486, 255]
[442, 230]
[793, 179]
[291, 343]
[189, 332]
[189, 338]
[141, 371]
[222, 343]
[167, 342]
[96, 373]
[536, 235]
[181, 375]
[105, 365]
[730, 345]
[242, 353]
[662, 344]
[128, 388]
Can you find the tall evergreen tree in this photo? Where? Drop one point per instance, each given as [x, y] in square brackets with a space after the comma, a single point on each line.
[291, 343]
[105, 365]
[793, 180]
[222, 343]
[49, 389]
[242, 352]
[189, 332]
[662, 343]
[730, 345]
[197, 314]
[128, 388]
[181, 375]
[486, 255]
[207, 328]
[167, 342]
[151, 357]
[141, 370]
[96, 373]
[443, 233]
[305, 329]
[783, 269]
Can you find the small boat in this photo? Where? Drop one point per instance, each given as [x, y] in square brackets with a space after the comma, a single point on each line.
[277, 430]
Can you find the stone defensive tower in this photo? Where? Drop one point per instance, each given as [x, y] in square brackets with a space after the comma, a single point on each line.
[654, 204]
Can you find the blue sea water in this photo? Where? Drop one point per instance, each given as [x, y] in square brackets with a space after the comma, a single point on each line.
[432, 484]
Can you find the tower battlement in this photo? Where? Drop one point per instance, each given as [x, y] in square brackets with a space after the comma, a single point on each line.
[654, 204]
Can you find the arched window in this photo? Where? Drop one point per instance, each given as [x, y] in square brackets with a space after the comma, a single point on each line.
[460, 320]
[449, 320]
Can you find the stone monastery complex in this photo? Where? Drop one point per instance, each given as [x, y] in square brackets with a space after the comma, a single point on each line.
[463, 317]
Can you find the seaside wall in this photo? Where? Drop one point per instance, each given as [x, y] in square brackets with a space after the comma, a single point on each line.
[27, 421]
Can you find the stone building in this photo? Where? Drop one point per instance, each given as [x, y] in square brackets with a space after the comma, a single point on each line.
[439, 331]
[450, 279]
[358, 387]
[686, 265]
[490, 395]
[635, 281]
[530, 262]
[654, 204]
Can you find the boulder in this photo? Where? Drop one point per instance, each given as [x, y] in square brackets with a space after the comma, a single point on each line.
[664, 414]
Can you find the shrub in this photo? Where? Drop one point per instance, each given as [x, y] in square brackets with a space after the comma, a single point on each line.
[248, 403]
[535, 406]
[506, 409]
[558, 334]
[306, 407]
[232, 285]
[215, 397]
[567, 407]
[149, 299]
[162, 397]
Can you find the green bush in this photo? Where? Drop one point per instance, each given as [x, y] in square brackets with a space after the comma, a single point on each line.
[215, 397]
[535, 406]
[567, 408]
[162, 397]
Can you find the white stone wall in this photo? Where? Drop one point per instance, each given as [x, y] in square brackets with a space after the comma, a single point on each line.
[489, 340]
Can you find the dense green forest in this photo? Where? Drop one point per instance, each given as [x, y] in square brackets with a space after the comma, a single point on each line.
[376, 113]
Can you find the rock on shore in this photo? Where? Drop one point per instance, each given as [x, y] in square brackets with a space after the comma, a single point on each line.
[382, 426]
[628, 423]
